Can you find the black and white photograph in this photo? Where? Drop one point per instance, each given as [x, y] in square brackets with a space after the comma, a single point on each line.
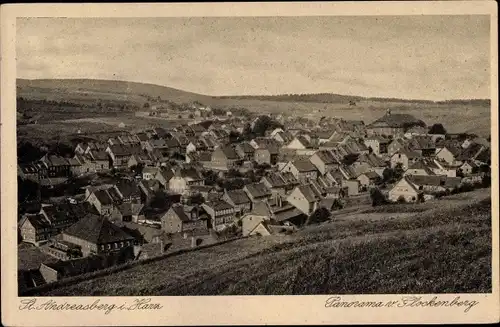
[259, 155]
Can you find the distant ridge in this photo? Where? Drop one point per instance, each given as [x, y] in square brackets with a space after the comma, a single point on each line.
[140, 92]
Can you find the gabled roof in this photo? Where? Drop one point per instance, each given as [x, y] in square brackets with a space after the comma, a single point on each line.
[238, 196]
[371, 175]
[229, 152]
[304, 165]
[246, 147]
[37, 220]
[304, 141]
[434, 180]
[97, 230]
[470, 152]
[218, 205]
[258, 190]
[327, 157]
[309, 193]
[275, 180]
[179, 211]
[103, 197]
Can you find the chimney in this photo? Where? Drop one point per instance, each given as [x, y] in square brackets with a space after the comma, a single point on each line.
[280, 201]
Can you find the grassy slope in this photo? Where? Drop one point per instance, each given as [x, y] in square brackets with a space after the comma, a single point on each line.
[446, 248]
[455, 117]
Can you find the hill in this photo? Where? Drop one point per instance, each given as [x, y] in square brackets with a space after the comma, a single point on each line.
[456, 115]
[436, 247]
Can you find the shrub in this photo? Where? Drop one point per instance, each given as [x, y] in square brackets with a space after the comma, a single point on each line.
[377, 197]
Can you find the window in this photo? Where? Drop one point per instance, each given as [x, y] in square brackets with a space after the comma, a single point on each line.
[109, 246]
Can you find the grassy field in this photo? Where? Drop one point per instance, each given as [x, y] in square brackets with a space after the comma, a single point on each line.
[471, 117]
[446, 247]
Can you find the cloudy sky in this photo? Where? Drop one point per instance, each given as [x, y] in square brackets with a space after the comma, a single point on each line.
[418, 57]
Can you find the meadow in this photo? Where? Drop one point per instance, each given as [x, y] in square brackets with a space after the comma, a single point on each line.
[443, 248]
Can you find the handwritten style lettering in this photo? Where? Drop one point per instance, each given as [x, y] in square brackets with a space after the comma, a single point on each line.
[404, 302]
[97, 305]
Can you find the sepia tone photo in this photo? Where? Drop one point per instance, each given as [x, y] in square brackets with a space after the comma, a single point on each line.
[264, 155]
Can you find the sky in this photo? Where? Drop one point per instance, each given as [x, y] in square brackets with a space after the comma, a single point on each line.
[411, 57]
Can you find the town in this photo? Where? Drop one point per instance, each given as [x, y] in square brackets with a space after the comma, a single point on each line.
[118, 197]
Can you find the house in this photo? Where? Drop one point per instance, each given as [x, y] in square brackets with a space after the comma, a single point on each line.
[468, 167]
[424, 145]
[144, 159]
[396, 145]
[101, 160]
[57, 166]
[163, 176]
[378, 144]
[279, 183]
[271, 218]
[305, 198]
[245, 151]
[35, 229]
[96, 235]
[302, 170]
[415, 131]
[301, 144]
[448, 153]
[128, 191]
[120, 154]
[220, 212]
[282, 137]
[257, 192]
[238, 199]
[183, 179]
[410, 186]
[471, 152]
[369, 179]
[420, 167]
[324, 161]
[102, 201]
[405, 157]
[265, 156]
[148, 189]
[176, 220]
[393, 124]
[225, 158]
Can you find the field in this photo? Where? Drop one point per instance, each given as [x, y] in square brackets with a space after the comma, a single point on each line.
[473, 116]
[445, 247]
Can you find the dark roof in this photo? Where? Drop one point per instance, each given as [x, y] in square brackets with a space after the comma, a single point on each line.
[97, 230]
[246, 147]
[371, 175]
[103, 197]
[396, 120]
[422, 142]
[230, 153]
[470, 152]
[326, 156]
[125, 150]
[218, 205]
[258, 190]
[309, 193]
[127, 188]
[434, 180]
[238, 196]
[304, 165]
[305, 142]
[179, 211]
[275, 180]
[37, 220]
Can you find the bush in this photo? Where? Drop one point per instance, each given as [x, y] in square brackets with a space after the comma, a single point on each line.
[377, 197]
[401, 199]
